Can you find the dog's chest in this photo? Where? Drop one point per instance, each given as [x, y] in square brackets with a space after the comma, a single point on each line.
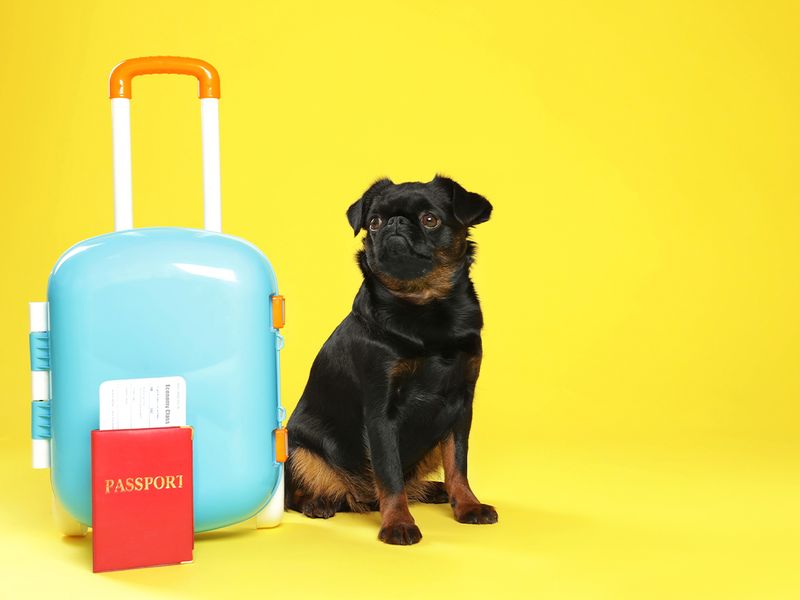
[432, 389]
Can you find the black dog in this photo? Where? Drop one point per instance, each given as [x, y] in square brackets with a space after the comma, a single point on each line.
[389, 397]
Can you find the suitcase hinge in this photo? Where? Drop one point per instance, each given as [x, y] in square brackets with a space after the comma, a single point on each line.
[40, 350]
[40, 420]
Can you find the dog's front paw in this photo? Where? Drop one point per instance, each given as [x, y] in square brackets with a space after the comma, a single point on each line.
[476, 514]
[401, 534]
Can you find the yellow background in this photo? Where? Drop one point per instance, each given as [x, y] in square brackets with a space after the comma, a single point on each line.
[637, 415]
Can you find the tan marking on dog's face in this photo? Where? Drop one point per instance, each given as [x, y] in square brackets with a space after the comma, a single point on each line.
[436, 284]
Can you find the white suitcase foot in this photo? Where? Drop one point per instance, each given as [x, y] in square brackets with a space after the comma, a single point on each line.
[65, 522]
[272, 514]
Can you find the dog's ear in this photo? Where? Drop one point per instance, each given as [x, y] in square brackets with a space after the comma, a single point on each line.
[359, 209]
[469, 208]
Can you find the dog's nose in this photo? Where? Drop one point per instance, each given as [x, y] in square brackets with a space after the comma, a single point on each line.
[397, 220]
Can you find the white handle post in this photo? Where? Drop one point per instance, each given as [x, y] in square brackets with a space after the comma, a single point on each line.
[123, 180]
[212, 192]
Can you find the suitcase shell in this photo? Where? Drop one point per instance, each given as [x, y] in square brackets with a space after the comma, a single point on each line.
[160, 302]
[165, 302]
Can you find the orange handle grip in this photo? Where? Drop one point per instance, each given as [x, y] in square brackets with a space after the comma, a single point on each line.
[124, 72]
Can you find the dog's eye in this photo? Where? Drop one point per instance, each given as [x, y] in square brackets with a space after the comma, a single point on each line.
[375, 223]
[429, 220]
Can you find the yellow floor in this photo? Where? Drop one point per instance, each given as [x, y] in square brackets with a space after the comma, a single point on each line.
[637, 411]
[578, 519]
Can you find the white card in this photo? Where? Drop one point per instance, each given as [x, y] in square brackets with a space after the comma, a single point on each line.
[145, 402]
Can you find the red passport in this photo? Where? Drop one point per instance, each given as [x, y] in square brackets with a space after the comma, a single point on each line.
[141, 497]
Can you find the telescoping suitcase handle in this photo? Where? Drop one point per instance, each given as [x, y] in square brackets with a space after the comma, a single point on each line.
[120, 93]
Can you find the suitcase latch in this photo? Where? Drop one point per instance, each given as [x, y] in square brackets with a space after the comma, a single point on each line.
[278, 312]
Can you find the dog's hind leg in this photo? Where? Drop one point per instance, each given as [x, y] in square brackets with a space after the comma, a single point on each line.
[420, 489]
[431, 492]
[314, 488]
[351, 505]
[319, 508]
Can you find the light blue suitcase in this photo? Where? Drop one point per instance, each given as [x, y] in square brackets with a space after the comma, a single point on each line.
[139, 307]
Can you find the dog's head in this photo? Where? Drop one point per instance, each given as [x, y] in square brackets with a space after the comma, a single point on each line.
[417, 233]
